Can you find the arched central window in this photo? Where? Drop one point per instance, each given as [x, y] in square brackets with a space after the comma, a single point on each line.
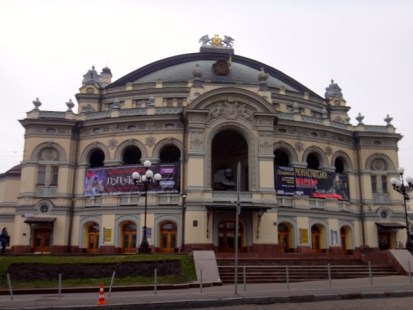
[228, 148]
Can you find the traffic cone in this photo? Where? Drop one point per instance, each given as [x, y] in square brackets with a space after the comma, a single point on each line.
[101, 300]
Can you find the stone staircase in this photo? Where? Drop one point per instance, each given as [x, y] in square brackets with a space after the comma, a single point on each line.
[282, 270]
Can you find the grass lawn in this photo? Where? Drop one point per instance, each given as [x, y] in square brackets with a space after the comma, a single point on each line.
[73, 265]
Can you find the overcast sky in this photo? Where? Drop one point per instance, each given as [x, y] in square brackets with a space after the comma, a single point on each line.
[365, 46]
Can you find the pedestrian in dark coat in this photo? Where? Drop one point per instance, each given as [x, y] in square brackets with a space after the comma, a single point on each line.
[4, 239]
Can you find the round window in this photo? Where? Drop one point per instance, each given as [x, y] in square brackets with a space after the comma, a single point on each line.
[44, 208]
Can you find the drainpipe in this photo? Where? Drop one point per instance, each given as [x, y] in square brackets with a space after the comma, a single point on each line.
[356, 138]
[72, 203]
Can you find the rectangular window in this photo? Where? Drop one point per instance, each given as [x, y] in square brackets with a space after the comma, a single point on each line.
[41, 175]
[374, 184]
[379, 184]
[47, 175]
[384, 184]
[54, 175]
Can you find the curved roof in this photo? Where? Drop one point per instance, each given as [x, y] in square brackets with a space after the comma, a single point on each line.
[180, 69]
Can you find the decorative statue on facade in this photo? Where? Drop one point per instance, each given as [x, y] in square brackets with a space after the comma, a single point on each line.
[224, 180]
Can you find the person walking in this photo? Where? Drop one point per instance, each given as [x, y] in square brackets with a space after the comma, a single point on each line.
[4, 239]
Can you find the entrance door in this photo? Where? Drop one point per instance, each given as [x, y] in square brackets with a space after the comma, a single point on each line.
[227, 236]
[283, 237]
[41, 240]
[316, 239]
[384, 240]
[343, 240]
[129, 238]
[93, 238]
[345, 233]
[167, 240]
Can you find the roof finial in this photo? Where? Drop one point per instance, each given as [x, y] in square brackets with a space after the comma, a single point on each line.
[37, 104]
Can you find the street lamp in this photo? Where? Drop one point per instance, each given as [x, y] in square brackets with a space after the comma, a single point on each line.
[145, 180]
[402, 188]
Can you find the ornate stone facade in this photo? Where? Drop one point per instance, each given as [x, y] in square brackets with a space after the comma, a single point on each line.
[206, 114]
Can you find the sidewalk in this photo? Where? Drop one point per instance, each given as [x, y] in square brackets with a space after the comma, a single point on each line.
[214, 296]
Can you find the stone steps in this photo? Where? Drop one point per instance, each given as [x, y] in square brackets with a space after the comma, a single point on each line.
[276, 270]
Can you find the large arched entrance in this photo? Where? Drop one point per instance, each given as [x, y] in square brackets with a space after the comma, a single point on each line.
[168, 237]
[92, 235]
[128, 237]
[285, 238]
[42, 239]
[227, 236]
[228, 148]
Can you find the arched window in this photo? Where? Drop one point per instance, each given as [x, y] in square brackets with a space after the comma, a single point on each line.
[312, 161]
[281, 158]
[48, 169]
[379, 176]
[97, 158]
[339, 164]
[170, 154]
[131, 155]
[228, 148]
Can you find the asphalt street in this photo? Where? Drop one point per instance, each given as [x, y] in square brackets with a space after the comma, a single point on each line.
[328, 293]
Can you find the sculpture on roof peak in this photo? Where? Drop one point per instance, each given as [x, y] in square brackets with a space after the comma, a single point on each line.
[216, 41]
[333, 91]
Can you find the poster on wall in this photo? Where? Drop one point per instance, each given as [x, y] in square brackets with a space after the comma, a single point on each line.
[303, 236]
[118, 180]
[290, 181]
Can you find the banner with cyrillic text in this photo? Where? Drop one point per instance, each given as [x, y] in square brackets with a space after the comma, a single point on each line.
[118, 180]
[290, 181]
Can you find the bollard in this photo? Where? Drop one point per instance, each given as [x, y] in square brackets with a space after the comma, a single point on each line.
[10, 287]
[60, 286]
[287, 277]
[245, 278]
[370, 274]
[329, 274]
[111, 283]
[200, 278]
[410, 273]
[155, 280]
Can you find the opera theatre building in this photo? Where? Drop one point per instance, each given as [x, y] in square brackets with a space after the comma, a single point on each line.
[170, 157]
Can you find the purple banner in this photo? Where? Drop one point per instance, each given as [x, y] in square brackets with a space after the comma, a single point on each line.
[314, 183]
[118, 180]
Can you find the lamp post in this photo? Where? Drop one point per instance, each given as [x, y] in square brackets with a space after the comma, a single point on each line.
[404, 189]
[145, 180]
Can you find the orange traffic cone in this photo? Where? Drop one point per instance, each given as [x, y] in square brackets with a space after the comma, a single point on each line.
[101, 300]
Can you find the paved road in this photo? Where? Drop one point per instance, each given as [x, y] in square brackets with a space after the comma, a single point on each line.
[394, 292]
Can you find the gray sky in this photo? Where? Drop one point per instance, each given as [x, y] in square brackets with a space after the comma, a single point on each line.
[365, 46]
